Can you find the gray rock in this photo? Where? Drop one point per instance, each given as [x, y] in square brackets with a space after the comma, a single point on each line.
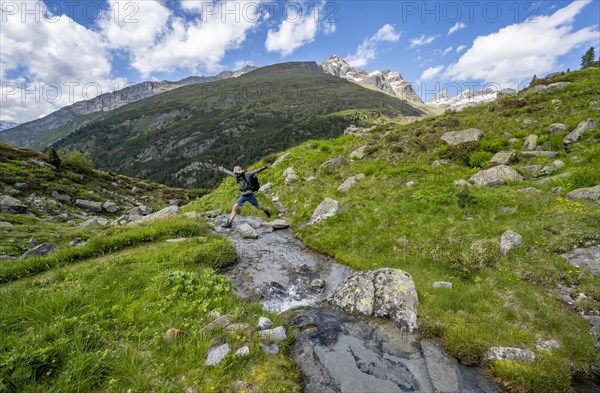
[280, 159]
[265, 187]
[62, 197]
[442, 368]
[246, 231]
[169, 211]
[529, 121]
[503, 158]
[380, 293]
[243, 352]
[278, 224]
[264, 323]
[288, 171]
[442, 284]
[508, 353]
[509, 241]
[135, 211]
[350, 182]
[554, 87]
[457, 137]
[215, 355]
[594, 103]
[443, 161]
[275, 335]
[333, 164]
[558, 164]
[214, 314]
[21, 186]
[592, 193]
[327, 208]
[272, 349]
[462, 183]
[40, 251]
[318, 283]
[9, 204]
[311, 178]
[548, 345]
[585, 258]
[556, 128]
[145, 210]
[220, 322]
[5, 224]
[530, 142]
[136, 190]
[538, 153]
[499, 175]
[409, 183]
[291, 178]
[92, 222]
[110, 207]
[359, 153]
[42, 164]
[89, 205]
[556, 101]
[594, 320]
[528, 189]
[512, 141]
[578, 132]
[33, 242]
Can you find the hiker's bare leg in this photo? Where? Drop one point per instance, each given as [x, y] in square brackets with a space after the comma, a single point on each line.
[234, 212]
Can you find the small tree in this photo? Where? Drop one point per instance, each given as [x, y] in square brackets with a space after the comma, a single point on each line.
[53, 157]
[533, 80]
[587, 60]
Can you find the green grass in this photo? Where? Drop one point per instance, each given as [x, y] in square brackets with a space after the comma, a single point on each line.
[438, 232]
[110, 240]
[100, 327]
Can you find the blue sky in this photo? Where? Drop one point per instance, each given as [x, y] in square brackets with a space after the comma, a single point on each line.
[54, 53]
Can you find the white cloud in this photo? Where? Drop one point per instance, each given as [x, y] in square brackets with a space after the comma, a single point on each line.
[297, 29]
[367, 50]
[422, 40]
[238, 65]
[461, 48]
[431, 72]
[516, 52]
[58, 62]
[457, 26]
[447, 50]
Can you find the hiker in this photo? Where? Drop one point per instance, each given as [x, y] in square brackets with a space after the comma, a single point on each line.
[244, 181]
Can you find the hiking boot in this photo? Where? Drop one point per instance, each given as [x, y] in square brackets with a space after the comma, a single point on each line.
[227, 224]
[268, 213]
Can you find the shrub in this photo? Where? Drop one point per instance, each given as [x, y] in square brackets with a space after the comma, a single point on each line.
[584, 177]
[461, 152]
[480, 159]
[465, 198]
[53, 157]
[78, 161]
[493, 145]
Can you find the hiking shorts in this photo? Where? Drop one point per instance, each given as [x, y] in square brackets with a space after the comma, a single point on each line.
[247, 198]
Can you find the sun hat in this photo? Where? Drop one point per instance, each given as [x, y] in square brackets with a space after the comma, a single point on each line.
[237, 170]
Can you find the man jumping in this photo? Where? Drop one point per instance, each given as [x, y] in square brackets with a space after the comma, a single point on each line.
[243, 179]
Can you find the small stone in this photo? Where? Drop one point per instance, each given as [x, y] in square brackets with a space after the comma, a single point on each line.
[442, 284]
[311, 178]
[509, 241]
[216, 355]
[281, 159]
[218, 341]
[40, 251]
[410, 183]
[214, 314]
[538, 153]
[220, 322]
[243, 352]
[508, 353]
[512, 141]
[528, 189]
[318, 283]
[21, 186]
[272, 349]
[557, 190]
[276, 335]
[264, 323]
[110, 207]
[89, 205]
[245, 327]
[529, 121]
[32, 242]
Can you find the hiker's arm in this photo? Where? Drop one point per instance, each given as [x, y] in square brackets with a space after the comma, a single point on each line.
[261, 169]
[227, 172]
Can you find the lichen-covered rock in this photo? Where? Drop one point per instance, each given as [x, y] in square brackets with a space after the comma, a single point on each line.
[215, 355]
[499, 175]
[89, 205]
[333, 164]
[592, 193]
[220, 322]
[556, 128]
[9, 204]
[62, 197]
[530, 142]
[503, 158]
[545, 89]
[508, 353]
[275, 335]
[509, 241]
[577, 133]
[380, 293]
[585, 258]
[327, 208]
[246, 231]
[458, 137]
[40, 251]
[110, 207]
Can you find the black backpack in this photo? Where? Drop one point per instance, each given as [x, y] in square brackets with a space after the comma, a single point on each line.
[254, 183]
[250, 182]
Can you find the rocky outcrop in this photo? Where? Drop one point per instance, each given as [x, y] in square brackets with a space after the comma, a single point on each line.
[508, 353]
[169, 211]
[545, 89]
[40, 251]
[578, 132]
[458, 137]
[592, 193]
[327, 208]
[499, 175]
[9, 204]
[585, 258]
[379, 293]
[89, 205]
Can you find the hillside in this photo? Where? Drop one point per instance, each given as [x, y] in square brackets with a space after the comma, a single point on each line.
[178, 137]
[417, 209]
[40, 133]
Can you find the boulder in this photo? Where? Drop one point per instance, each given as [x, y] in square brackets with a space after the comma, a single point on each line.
[530, 142]
[169, 211]
[556, 128]
[327, 208]
[538, 153]
[509, 241]
[503, 158]
[592, 193]
[215, 355]
[220, 322]
[4, 224]
[499, 175]
[379, 293]
[350, 182]
[508, 353]
[9, 204]
[442, 284]
[558, 164]
[577, 133]
[91, 222]
[264, 323]
[443, 161]
[281, 159]
[275, 335]
[246, 231]
[89, 205]
[40, 251]
[545, 89]
[110, 207]
[359, 153]
[585, 258]
[442, 368]
[333, 164]
[278, 224]
[42, 164]
[21, 186]
[458, 137]
[62, 197]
